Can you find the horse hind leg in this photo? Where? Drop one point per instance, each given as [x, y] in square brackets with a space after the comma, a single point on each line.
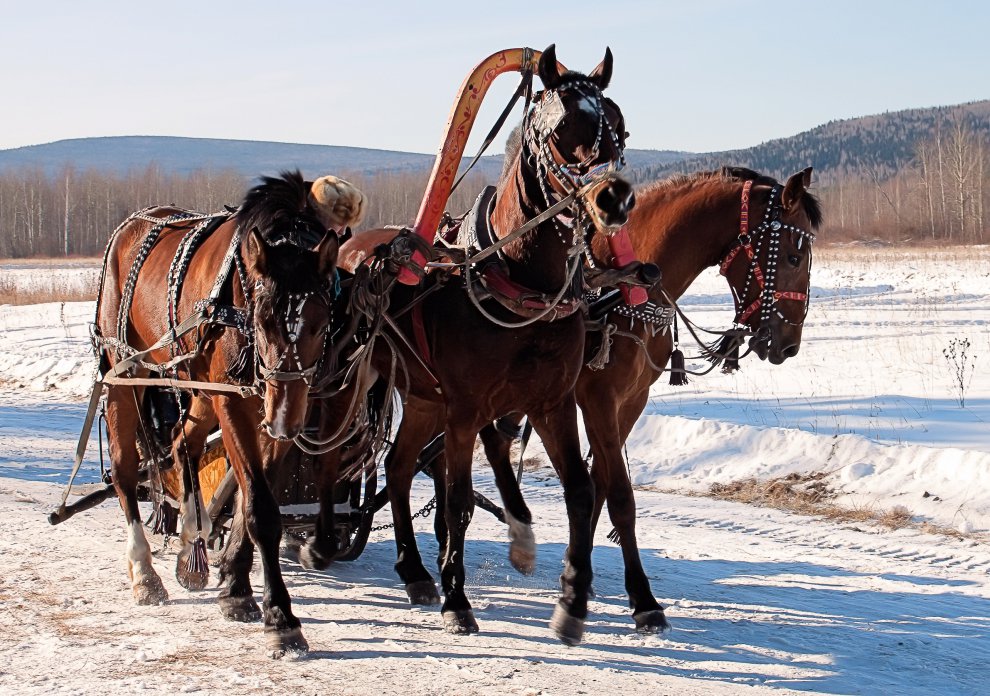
[558, 431]
[522, 541]
[122, 423]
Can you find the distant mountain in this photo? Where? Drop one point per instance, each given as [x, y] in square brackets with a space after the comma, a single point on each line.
[185, 155]
[877, 145]
[123, 154]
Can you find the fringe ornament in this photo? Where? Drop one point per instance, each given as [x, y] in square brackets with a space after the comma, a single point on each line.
[165, 520]
[198, 562]
[730, 363]
[678, 375]
[614, 537]
[605, 351]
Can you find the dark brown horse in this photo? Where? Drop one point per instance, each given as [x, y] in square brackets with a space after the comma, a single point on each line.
[759, 232]
[266, 293]
[486, 359]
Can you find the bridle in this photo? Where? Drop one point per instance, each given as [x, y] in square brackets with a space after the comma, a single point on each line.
[576, 179]
[749, 244]
[289, 367]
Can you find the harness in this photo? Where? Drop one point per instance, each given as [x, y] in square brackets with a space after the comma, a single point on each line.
[749, 245]
[569, 212]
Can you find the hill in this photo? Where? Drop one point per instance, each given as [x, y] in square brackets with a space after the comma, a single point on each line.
[173, 155]
[875, 146]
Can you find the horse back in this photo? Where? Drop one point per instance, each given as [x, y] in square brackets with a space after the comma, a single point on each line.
[148, 316]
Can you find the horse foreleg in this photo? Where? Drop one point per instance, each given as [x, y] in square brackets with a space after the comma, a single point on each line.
[522, 541]
[191, 569]
[559, 433]
[123, 424]
[263, 521]
[457, 614]
[236, 597]
[417, 428]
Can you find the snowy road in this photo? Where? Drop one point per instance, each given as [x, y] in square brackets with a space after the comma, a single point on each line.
[758, 599]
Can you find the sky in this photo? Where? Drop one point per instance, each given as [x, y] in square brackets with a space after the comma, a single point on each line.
[697, 76]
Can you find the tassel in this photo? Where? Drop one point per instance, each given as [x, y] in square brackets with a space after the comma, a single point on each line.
[166, 520]
[730, 362]
[198, 562]
[678, 375]
[604, 353]
[614, 537]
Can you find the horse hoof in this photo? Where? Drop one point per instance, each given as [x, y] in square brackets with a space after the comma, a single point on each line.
[523, 559]
[190, 580]
[651, 621]
[311, 559]
[286, 641]
[522, 546]
[460, 622]
[150, 591]
[423, 593]
[569, 629]
[242, 609]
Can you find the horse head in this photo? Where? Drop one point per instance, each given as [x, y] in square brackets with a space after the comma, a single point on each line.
[768, 266]
[576, 137]
[290, 259]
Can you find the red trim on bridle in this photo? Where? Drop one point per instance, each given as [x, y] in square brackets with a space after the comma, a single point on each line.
[744, 243]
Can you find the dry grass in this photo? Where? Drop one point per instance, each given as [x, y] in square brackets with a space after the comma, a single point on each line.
[11, 294]
[897, 254]
[34, 281]
[808, 494]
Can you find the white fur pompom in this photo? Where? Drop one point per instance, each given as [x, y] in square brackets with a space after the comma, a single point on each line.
[339, 203]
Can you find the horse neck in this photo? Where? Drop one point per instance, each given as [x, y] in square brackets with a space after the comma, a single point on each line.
[685, 229]
[538, 259]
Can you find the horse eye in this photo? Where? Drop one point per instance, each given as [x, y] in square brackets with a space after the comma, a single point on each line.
[794, 259]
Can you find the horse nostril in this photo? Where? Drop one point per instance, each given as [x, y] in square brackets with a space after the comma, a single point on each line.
[605, 199]
[791, 351]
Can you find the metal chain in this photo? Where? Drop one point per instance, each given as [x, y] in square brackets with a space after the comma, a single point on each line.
[424, 512]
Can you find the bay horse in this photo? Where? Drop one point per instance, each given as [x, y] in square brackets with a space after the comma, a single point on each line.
[759, 233]
[477, 350]
[263, 278]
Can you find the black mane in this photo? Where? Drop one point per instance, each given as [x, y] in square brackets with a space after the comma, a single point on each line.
[278, 208]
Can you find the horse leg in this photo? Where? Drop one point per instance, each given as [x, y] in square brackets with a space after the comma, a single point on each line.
[123, 423]
[321, 548]
[187, 448]
[236, 597]
[612, 483]
[417, 428]
[559, 433]
[458, 616]
[262, 519]
[522, 541]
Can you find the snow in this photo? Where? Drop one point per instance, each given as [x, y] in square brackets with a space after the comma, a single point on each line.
[760, 600]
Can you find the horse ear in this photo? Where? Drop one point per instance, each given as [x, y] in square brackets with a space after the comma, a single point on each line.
[547, 69]
[326, 253]
[795, 187]
[257, 259]
[602, 74]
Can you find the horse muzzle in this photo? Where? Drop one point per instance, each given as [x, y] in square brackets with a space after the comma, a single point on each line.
[613, 201]
[776, 349]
